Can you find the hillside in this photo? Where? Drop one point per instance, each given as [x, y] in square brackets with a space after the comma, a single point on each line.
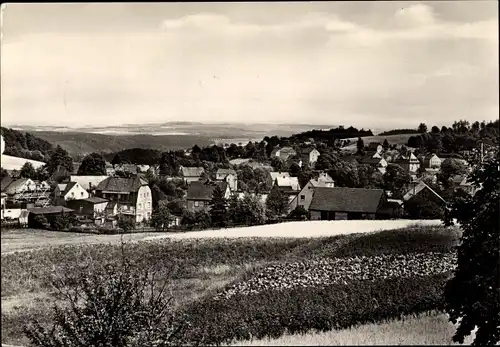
[400, 139]
[77, 143]
[26, 145]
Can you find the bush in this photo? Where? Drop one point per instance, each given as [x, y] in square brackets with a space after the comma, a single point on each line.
[112, 305]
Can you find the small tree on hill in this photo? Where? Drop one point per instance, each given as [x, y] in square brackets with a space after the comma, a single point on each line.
[385, 145]
[360, 146]
[92, 165]
[126, 224]
[472, 296]
[218, 210]
[28, 171]
[422, 128]
[3, 173]
[276, 204]
[161, 216]
[59, 158]
[396, 179]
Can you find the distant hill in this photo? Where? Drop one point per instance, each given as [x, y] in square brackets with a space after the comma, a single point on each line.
[26, 145]
[399, 132]
[401, 139]
[78, 143]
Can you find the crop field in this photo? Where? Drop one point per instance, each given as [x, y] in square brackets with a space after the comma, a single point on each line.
[29, 239]
[282, 286]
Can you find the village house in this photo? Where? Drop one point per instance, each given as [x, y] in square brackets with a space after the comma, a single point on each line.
[304, 197]
[2, 204]
[309, 155]
[462, 182]
[142, 168]
[199, 194]
[430, 161]
[25, 190]
[92, 208]
[16, 213]
[88, 182]
[128, 197]
[131, 169]
[374, 147]
[421, 189]
[376, 162]
[272, 175]
[283, 153]
[110, 170]
[228, 175]
[191, 174]
[409, 163]
[347, 204]
[288, 186]
[69, 191]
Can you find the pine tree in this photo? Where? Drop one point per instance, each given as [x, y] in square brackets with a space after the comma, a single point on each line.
[385, 145]
[276, 204]
[92, 164]
[28, 171]
[59, 158]
[360, 145]
[218, 211]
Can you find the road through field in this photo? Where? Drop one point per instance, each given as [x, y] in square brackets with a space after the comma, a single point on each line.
[31, 239]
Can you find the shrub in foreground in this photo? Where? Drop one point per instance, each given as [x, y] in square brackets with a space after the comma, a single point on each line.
[271, 314]
[112, 305]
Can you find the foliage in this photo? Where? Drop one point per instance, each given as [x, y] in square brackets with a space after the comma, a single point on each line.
[161, 216]
[449, 168]
[3, 173]
[276, 203]
[59, 158]
[397, 132]
[278, 164]
[62, 222]
[28, 171]
[385, 145]
[40, 221]
[422, 128]
[92, 165]
[326, 135]
[473, 294]
[126, 224]
[218, 210]
[246, 211]
[139, 156]
[419, 207]
[199, 219]
[360, 145]
[396, 179]
[25, 145]
[111, 305]
[299, 213]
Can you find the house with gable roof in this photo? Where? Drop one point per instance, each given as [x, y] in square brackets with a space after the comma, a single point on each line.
[229, 176]
[128, 197]
[199, 194]
[69, 191]
[304, 197]
[191, 174]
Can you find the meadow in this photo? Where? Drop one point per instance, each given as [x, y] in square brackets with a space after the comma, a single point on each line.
[200, 272]
[400, 139]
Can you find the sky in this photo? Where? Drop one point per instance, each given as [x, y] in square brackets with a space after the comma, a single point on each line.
[367, 64]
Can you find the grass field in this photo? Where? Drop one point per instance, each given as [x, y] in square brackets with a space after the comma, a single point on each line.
[432, 328]
[400, 139]
[29, 239]
[201, 267]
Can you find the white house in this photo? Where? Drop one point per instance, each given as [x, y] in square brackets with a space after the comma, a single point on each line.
[69, 191]
[228, 175]
[309, 155]
[88, 182]
[304, 197]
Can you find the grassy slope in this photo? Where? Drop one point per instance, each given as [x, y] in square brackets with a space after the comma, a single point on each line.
[400, 139]
[430, 329]
[201, 266]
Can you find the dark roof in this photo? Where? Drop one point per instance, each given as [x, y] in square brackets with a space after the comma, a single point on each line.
[68, 187]
[370, 160]
[95, 200]
[6, 181]
[50, 210]
[202, 190]
[306, 150]
[346, 199]
[121, 184]
[225, 172]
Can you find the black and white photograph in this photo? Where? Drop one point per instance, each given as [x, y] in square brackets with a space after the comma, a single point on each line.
[250, 173]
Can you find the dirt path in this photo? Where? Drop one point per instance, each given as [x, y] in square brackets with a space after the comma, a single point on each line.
[30, 239]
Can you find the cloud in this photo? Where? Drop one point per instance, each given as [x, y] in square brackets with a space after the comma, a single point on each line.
[319, 67]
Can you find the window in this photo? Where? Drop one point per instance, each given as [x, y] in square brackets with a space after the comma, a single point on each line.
[207, 203]
[196, 203]
[140, 206]
[302, 197]
[149, 205]
[81, 193]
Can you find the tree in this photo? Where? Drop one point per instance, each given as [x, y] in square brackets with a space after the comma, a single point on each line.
[472, 296]
[295, 170]
[248, 211]
[126, 224]
[422, 128]
[419, 207]
[161, 216]
[435, 130]
[218, 210]
[276, 204]
[449, 168]
[28, 171]
[278, 164]
[299, 213]
[92, 165]
[113, 304]
[385, 145]
[3, 173]
[59, 158]
[360, 145]
[396, 179]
